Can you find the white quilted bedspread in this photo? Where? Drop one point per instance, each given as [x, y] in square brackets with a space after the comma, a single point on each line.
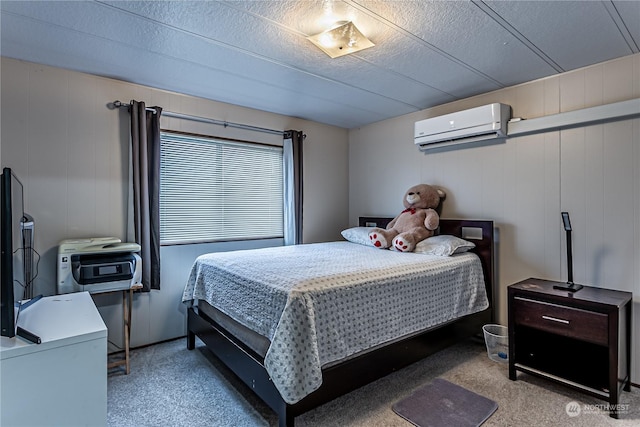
[319, 303]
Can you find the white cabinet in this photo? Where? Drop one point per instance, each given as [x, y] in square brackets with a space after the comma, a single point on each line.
[63, 380]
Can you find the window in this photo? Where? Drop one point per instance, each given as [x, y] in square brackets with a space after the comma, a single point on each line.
[214, 189]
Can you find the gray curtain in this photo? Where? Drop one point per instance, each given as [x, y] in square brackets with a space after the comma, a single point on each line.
[145, 158]
[293, 186]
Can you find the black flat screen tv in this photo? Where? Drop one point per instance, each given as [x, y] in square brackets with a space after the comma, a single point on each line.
[12, 213]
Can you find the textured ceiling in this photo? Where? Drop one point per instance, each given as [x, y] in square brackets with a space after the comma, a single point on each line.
[255, 53]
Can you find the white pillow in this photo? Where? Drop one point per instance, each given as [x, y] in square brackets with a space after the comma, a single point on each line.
[359, 235]
[443, 245]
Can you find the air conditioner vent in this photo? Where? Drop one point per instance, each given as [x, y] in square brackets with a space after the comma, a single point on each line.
[476, 124]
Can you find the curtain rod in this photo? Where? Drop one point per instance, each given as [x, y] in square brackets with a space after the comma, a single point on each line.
[118, 104]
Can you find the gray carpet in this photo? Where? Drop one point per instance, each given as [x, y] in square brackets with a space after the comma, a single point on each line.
[171, 386]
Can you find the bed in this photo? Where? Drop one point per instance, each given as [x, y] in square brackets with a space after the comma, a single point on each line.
[289, 322]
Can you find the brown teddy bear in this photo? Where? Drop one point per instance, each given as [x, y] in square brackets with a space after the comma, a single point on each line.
[414, 224]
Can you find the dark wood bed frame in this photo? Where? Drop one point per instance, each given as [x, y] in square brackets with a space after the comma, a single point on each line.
[356, 372]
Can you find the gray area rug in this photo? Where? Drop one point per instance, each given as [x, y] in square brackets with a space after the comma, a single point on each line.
[443, 404]
[173, 387]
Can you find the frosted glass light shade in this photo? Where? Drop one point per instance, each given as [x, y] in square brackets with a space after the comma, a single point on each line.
[341, 40]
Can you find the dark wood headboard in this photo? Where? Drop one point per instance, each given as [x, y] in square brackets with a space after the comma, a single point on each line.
[374, 221]
[479, 232]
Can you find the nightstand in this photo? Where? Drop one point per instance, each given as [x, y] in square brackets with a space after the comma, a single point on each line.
[580, 339]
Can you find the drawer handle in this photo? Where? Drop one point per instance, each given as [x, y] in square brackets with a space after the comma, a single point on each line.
[555, 319]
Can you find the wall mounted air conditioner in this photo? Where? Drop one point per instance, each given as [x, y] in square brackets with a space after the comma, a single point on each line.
[476, 124]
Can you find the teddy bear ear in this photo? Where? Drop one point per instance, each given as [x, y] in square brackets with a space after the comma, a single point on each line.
[442, 194]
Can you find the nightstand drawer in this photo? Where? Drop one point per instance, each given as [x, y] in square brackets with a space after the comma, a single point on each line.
[558, 319]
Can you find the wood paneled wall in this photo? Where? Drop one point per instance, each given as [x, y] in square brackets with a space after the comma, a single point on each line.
[72, 154]
[524, 183]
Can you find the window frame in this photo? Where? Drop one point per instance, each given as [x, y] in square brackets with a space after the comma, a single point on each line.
[231, 141]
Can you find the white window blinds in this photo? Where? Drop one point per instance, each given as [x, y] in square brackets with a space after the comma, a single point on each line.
[212, 190]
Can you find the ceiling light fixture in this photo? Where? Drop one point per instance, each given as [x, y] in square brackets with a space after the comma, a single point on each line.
[341, 40]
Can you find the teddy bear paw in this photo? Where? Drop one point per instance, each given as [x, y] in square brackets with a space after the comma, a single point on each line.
[402, 245]
[378, 240]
